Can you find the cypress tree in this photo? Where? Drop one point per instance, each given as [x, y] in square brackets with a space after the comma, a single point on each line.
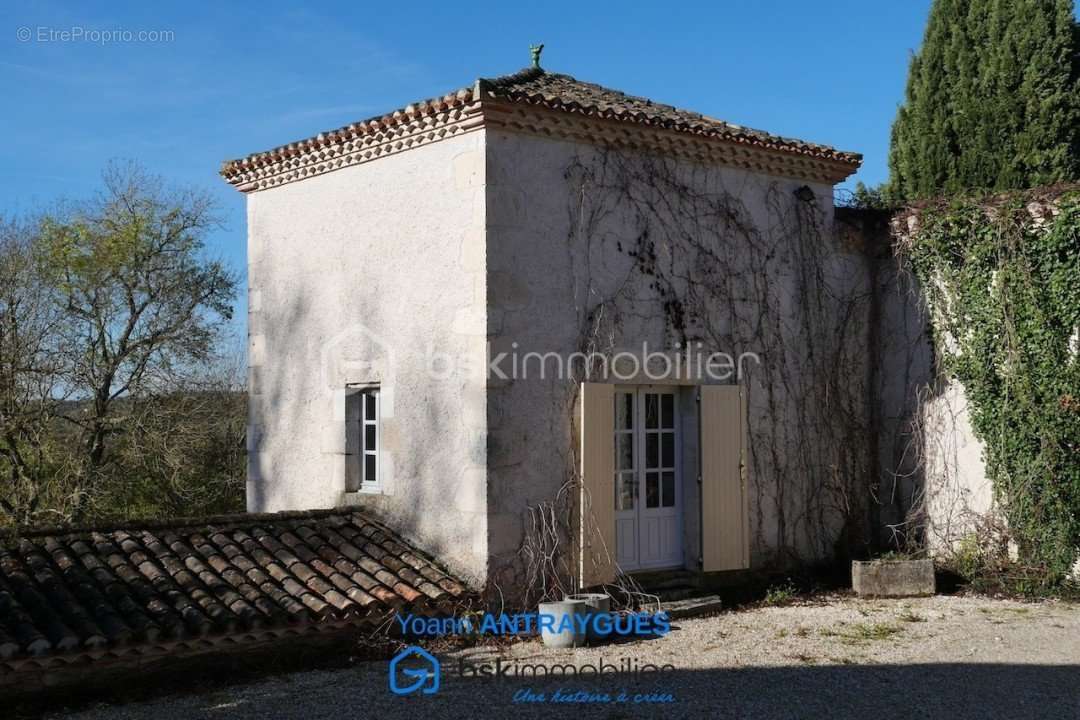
[992, 100]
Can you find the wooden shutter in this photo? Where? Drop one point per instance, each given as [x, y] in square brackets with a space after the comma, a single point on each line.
[725, 531]
[354, 402]
[597, 502]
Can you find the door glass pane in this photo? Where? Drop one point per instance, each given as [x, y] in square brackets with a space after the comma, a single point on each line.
[669, 489]
[667, 443]
[369, 469]
[369, 411]
[369, 437]
[652, 451]
[652, 412]
[667, 404]
[652, 490]
[625, 488]
[624, 451]
[624, 411]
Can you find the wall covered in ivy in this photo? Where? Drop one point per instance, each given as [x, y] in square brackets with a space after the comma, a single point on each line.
[1001, 277]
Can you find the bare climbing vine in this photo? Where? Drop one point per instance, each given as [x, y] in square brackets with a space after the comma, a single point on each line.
[854, 440]
[676, 254]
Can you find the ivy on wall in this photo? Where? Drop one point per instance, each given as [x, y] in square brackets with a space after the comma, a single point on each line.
[1003, 283]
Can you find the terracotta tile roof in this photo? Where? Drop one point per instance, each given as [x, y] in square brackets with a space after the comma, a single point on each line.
[400, 129]
[562, 92]
[68, 592]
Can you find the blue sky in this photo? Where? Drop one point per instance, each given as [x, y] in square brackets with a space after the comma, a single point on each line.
[239, 78]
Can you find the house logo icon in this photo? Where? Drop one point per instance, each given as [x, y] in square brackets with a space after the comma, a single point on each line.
[412, 669]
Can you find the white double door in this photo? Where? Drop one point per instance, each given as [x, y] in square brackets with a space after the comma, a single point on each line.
[648, 487]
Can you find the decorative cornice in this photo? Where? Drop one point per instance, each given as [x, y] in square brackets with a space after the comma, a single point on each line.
[413, 126]
[536, 102]
[709, 149]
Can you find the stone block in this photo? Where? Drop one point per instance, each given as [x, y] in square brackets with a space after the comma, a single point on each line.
[893, 578]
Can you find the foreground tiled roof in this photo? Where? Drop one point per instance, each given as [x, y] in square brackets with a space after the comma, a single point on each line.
[97, 591]
[440, 117]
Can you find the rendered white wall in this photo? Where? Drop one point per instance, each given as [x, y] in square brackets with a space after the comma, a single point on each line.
[542, 277]
[360, 275]
[353, 275]
[959, 495]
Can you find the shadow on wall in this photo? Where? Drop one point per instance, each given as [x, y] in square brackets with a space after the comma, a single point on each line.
[294, 463]
[931, 486]
[903, 379]
[267, 388]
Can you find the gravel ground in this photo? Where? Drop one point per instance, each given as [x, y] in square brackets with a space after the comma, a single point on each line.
[951, 657]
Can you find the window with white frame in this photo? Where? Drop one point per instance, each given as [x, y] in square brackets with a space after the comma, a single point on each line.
[362, 439]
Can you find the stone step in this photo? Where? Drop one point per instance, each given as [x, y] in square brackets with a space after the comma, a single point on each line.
[692, 606]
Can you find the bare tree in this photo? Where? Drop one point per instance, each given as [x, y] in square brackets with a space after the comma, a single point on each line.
[141, 303]
[32, 368]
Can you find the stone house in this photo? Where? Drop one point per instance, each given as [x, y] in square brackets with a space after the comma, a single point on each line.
[545, 328]
[531, 336]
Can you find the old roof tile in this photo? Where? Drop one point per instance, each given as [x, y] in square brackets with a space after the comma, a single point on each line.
[553, 91]
[65, 591]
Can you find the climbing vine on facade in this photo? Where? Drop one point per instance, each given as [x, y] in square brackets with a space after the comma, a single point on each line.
[684, 250]
[1003, 282]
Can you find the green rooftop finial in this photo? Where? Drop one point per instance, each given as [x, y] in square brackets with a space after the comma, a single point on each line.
[536, 50]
